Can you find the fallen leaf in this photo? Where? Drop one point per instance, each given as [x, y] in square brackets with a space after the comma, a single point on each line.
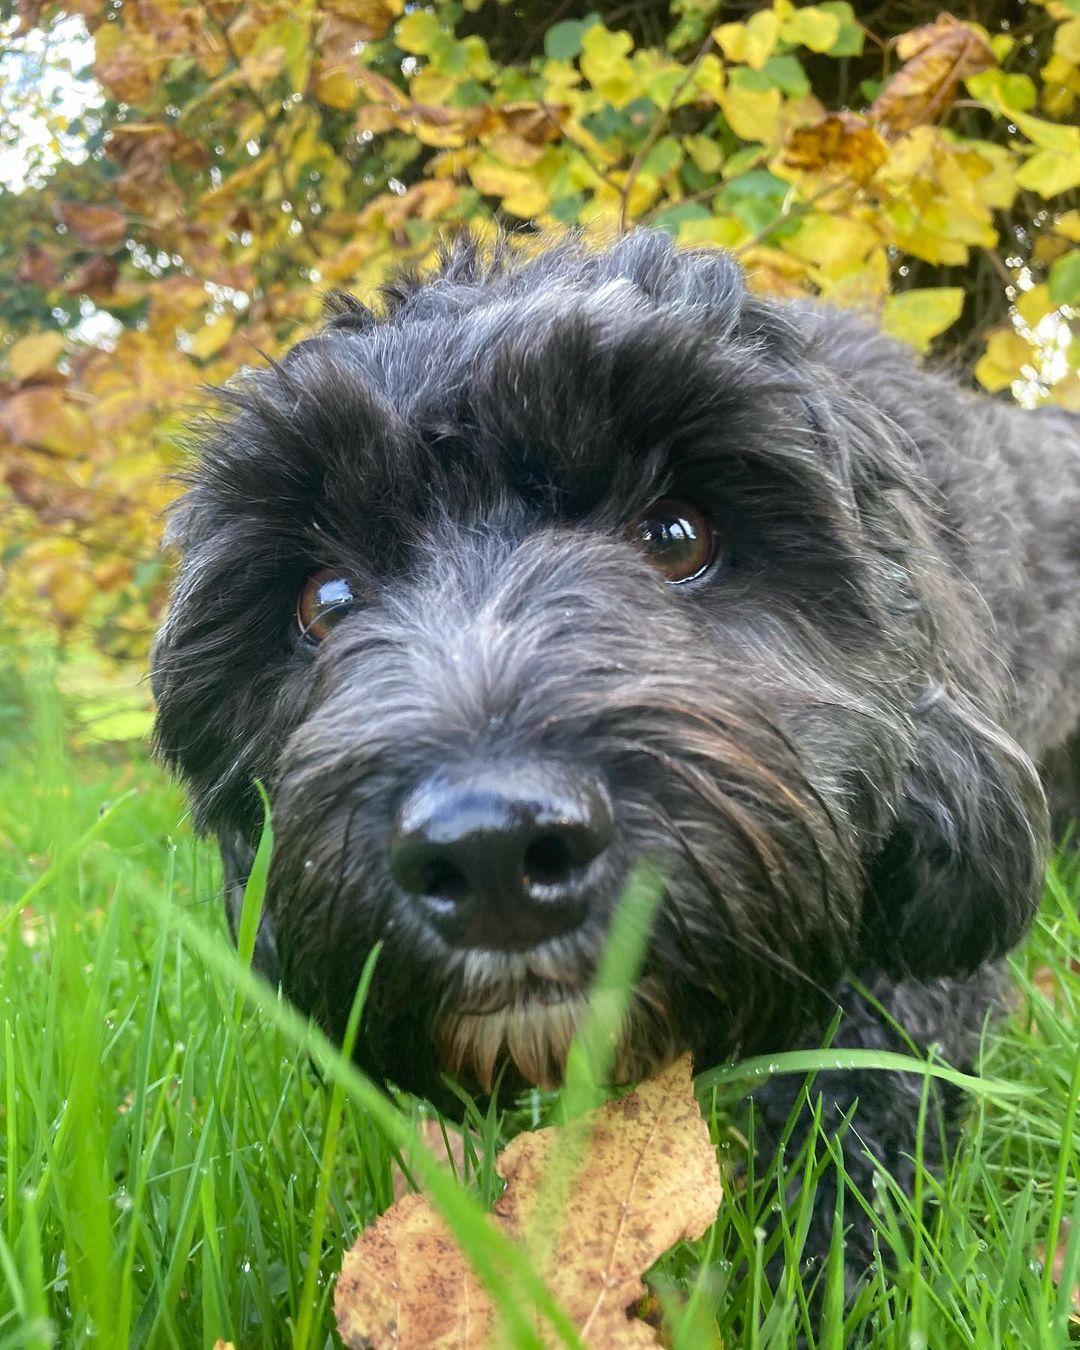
[645, 1178]
[937, 57]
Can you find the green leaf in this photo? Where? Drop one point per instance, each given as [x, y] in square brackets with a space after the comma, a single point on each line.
[1014, 92]
[918, 316]
[664, 158]
[1064, 279]
[674, 216]
[849, 40]
[562, 41]
[786, 73]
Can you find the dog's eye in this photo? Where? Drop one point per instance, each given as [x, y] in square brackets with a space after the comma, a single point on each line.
[676, 538]
[324, 600]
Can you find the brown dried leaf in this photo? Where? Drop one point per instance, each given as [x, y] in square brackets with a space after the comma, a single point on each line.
[40, 417]
[841, 143]
[1057, 1264]
[371, 17]
[646, 1179]
[37, 266]
[96, 278]
[96, 226]
[936, 56]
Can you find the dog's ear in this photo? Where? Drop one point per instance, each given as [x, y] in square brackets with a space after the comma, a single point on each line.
[959, 878]
[237, 857]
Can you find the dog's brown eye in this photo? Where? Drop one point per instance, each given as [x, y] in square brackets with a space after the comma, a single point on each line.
[676, 538]
[325, 599]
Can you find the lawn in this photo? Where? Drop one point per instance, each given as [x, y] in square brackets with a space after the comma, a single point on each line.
[182, 1160]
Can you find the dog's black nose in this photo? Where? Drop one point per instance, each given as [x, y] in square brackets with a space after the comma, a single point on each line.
[500, 856]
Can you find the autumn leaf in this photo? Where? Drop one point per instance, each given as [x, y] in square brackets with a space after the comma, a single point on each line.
[249, 156]
[371, 17]
[42, 418]
[647, 1179]
[98, 227]
[38, 266]
[34, 355]
[841, 143]
[936, 58]
[918, 316]
[1007, 353]
[96, 278]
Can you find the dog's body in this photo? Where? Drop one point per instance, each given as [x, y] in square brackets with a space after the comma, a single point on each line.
[601, 560]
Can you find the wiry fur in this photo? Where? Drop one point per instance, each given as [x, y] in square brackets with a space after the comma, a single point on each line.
[826, 748]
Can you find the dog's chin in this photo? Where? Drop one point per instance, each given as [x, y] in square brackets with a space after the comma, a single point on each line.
[525, 1042]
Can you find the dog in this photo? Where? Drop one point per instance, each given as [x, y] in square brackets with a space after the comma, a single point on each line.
[566, 563]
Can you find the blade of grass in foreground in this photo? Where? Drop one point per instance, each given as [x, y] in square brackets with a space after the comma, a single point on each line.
[888, 1061]
[505, 1271]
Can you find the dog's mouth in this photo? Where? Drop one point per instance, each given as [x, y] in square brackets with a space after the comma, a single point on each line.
[530, 1035]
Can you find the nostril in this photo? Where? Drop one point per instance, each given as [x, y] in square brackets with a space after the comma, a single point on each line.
[441, 879]
[549, 860]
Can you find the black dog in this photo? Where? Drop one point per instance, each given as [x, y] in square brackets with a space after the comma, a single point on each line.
[569, 563]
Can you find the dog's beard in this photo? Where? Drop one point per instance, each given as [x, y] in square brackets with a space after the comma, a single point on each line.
[530, 1034]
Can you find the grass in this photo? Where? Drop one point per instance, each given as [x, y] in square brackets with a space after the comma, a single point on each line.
[184, 1160]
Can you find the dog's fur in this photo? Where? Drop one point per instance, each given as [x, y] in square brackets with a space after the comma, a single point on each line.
[826, 747]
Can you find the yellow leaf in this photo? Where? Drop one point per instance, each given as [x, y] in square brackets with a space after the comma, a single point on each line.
[1049, 172]
[289, 38]
[709, 77]
[521, 193]
[336, 88]
[1048, 135]
[1067, 41]
[418, 32]
[918, 316]
[212, 336]
[824, 239]
[1003, 361]
[1035, 304]
[604, 64]
[705, 152]
[751, 113]
[860, 283]
[1068, 226]
[723, 231]
[808, 27]
[1013, 92]
[33, 355]
[752, 42]
[1066, 392]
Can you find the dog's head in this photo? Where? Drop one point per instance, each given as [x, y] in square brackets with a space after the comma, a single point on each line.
[560, 566]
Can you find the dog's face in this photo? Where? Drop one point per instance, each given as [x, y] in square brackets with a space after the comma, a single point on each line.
[558, 570]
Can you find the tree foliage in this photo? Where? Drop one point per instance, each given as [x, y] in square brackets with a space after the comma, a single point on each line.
[240, 159]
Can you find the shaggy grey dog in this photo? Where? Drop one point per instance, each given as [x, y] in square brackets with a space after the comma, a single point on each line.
[565, 564]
